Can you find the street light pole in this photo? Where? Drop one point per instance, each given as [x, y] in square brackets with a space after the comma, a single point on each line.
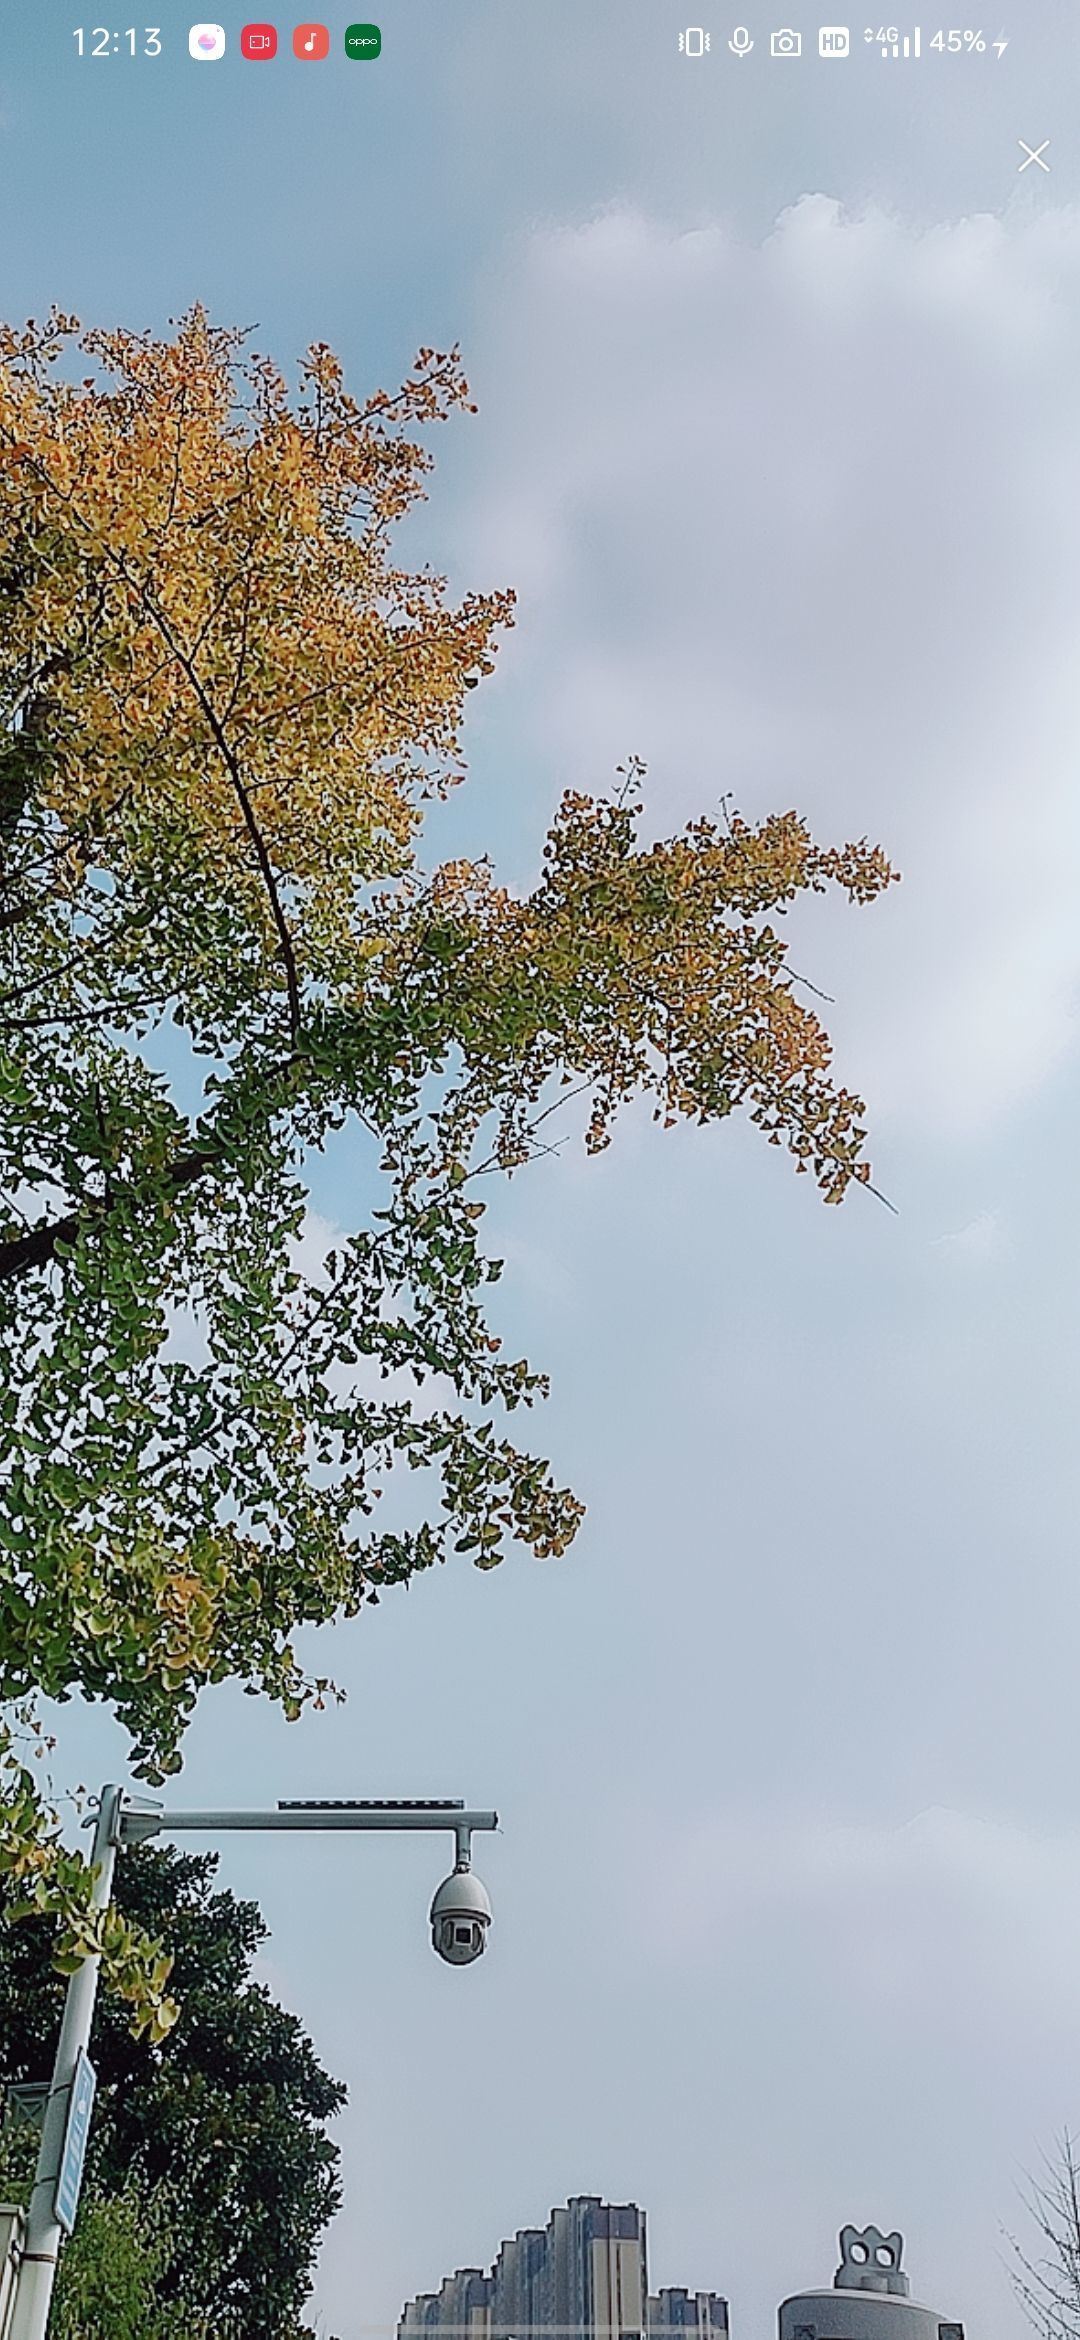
[119, 1823]
[41, 2248]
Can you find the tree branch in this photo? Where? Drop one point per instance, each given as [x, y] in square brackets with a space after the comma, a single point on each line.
[228, 756]
[229, 759]
[38, 1247]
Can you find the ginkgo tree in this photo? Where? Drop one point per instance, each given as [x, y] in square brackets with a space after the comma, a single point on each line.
[225, 708]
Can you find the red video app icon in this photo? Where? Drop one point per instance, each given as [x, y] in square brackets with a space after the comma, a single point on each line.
[258, 40]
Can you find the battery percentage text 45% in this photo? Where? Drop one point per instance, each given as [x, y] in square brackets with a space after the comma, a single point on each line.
[966, 44]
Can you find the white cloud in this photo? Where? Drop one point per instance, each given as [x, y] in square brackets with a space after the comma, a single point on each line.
[983, 1238]
[879, 1901]
[802, 521]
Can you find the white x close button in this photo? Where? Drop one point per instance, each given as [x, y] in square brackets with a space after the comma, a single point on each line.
[1033, 154]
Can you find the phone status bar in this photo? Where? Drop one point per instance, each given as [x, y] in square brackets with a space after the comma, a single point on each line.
[837, 43]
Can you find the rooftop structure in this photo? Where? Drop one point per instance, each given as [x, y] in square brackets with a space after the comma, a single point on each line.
[869, 2300]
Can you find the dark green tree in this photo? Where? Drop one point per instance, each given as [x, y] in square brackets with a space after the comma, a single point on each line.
[225, 2116]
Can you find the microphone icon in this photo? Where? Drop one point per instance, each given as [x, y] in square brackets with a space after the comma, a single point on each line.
[741, 41]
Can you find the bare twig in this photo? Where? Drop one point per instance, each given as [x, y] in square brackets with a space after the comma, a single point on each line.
[1048, 2288]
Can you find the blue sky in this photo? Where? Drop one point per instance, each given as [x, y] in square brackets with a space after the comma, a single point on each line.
[777, 441]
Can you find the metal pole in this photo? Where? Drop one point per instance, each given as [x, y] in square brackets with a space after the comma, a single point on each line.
[43, 2232]
[117, 1824]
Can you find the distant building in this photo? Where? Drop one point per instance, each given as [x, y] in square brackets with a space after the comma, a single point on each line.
[583, 2276]
[702, 2312]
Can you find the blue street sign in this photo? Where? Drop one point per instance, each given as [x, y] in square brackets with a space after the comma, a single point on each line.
[76, 2133]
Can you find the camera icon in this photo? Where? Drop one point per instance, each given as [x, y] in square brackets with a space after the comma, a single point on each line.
[786, 43]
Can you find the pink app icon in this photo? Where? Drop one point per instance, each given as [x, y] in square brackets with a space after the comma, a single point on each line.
[206, 41]
[258, 40]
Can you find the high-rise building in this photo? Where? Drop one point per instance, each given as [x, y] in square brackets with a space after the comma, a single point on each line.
[701, 2312]
[462, 2304]
[583, 2276]
[518, 2282]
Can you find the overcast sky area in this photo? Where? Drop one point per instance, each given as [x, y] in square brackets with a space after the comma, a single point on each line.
[776, 365]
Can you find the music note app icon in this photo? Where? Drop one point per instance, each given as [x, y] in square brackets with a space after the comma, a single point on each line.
[311, 40]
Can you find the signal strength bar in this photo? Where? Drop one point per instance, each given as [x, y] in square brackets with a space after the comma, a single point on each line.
[905, 45]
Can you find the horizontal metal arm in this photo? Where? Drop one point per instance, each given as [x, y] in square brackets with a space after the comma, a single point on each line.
[136, 1823]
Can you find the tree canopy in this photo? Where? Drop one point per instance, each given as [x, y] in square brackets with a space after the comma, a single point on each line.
[225, 2119]
[224, 708]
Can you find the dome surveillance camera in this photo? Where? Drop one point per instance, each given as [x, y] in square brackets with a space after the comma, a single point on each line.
[460, 1917]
